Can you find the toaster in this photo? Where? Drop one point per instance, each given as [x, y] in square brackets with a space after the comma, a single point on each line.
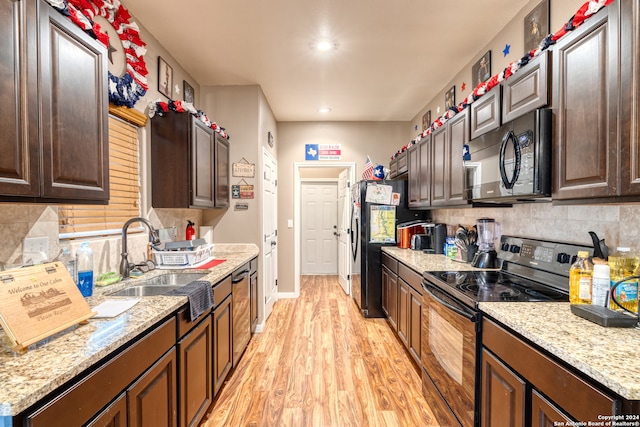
[420, 242]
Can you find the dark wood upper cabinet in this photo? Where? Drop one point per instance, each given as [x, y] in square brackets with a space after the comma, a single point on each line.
[189, 163]
[630, 94]
[413, 162]
[528, 89]
[586, 94]
[485, 113]
[55, 81]
[448, 170]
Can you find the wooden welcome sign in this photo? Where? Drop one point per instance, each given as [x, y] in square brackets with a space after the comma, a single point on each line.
[39, 301]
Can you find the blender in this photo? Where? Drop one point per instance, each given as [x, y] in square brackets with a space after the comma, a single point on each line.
[486, 257]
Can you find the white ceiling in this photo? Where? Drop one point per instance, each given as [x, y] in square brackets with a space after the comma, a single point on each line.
[392, 56]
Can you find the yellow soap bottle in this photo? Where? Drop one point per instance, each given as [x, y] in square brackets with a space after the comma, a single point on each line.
[581, 279]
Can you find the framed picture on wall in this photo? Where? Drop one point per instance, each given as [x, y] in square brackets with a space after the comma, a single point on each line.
[165, 77]
[189, 95]
[481, 70]
[426, 120]
[536, 26]
[450, 98]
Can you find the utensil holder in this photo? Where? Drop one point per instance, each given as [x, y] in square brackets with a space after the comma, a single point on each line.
[467, 254]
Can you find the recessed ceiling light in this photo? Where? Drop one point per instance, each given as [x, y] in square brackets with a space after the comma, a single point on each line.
[324, 110]
[325, 45]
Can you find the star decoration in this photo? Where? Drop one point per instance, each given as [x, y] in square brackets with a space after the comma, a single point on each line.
[176, 88]
[507, 47]
[438, 110]
[463, 86]
[111, 51]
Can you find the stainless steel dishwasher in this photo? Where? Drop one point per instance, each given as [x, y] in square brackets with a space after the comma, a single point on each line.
[241, 311]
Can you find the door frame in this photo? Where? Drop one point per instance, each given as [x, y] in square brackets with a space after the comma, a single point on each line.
[297, 189]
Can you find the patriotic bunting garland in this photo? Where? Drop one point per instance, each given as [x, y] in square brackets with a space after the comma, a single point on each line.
[587, 10]
[161, 107]
[129, 88]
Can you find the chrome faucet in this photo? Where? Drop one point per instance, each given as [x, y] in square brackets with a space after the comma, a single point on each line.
[125, 265]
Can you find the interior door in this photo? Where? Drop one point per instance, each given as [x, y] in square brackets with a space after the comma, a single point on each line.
[344, 240]
[319, 222]
[269, 232]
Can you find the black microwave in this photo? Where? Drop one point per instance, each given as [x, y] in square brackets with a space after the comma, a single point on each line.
[511, 163]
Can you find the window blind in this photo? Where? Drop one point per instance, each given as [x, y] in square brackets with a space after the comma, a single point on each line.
[124, 189]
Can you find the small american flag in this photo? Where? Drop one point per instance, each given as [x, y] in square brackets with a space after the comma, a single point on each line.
[367, 173]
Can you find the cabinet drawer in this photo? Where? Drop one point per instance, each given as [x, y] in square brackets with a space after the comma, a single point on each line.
[571, 393]
[221, 290]
[83, 400]
[253, 265]
[411, 277]
[390, 262]
[183, 318]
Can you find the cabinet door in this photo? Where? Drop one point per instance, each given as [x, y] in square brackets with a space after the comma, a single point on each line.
[503, 394]
[413, 161]
[458, 138]
[222, 343]
[390, 296]
[630, 97]
[19, 172]
[526, 90]
[73, 103]
[115, 415]
[152, 399]
[254, 301]
[221, 172]
[404, 298]
[202, 165]
[415, 325]
[585, 98]
[544, 413]
[402, 163]
[195, 356]
[438, 165]
[425, 166]
[485, 113]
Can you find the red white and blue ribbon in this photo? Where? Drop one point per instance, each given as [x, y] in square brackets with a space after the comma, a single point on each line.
[129, 88]
[587, 10]
[160, 108]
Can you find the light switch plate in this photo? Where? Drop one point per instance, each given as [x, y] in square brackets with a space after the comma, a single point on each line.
[35, 249]
[290, 223]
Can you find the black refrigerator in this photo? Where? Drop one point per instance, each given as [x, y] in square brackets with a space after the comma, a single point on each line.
[374, 218]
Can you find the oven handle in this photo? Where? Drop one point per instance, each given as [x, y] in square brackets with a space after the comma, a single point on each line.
[465, 312]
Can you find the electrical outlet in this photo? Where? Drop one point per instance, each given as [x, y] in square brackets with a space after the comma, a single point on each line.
[35, 249]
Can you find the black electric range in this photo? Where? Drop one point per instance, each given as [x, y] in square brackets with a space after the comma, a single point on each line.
[531, 270]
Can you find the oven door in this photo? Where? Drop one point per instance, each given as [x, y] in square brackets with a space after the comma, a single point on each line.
[450, 340]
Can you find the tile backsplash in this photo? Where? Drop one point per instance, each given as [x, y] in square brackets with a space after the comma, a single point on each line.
[18, 221]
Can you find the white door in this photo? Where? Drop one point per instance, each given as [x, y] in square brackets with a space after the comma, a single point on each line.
[344, 241]
[319, 225]
[269, 232]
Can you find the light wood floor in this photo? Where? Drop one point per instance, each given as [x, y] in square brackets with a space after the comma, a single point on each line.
[318, 362]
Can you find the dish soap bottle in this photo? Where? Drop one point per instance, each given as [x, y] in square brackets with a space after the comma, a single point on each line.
[84, 265]
[580, 279]
[601, 285]
[624, 263]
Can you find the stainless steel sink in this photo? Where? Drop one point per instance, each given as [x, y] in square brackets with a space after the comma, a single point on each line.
[144, 291]
[172, 279]
[158, 285]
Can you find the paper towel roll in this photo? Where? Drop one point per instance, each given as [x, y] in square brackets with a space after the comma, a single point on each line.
[206, 233]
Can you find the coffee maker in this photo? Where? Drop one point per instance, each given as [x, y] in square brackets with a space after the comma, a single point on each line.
[486, 257]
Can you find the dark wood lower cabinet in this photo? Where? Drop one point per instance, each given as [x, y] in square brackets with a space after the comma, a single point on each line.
[545, 413]
[195, 355]
[503, 394]
[223, 345]
[115, 415]
[152, 400]
[415, 325]
[404, 298]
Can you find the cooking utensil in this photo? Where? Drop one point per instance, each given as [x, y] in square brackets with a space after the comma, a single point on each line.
[600, 249]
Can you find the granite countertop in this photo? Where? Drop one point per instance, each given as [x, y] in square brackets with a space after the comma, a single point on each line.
[26, 378]
[420, 261]
[610, 356]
